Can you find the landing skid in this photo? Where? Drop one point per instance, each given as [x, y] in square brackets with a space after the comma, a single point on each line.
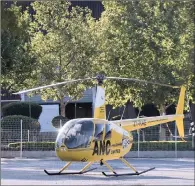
[127, 174]
[66, 173]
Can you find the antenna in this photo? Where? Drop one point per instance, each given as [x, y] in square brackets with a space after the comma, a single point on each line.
[123, 112]
[109, 114]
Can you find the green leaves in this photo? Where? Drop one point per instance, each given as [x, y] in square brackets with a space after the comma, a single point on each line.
[149, 40]
[62, 42]
[146, 40]
[17, 64]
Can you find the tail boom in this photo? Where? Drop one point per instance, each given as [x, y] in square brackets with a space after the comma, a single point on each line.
[139, 123]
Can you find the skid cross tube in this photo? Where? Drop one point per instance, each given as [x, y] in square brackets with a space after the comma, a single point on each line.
[66, 166]
[127, 163]
[125, 174]
[108, 166]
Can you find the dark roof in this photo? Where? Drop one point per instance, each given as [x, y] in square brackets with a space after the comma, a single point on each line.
[86, 98]
[6, 95]
[96, 6]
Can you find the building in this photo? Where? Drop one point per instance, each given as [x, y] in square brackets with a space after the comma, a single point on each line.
[7, 97]
[82, 108]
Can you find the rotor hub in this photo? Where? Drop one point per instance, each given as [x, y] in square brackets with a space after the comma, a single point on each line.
[100, 78]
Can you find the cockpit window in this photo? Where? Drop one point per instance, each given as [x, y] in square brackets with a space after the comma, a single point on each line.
[99, 129]
[108, 131]
[77, 134]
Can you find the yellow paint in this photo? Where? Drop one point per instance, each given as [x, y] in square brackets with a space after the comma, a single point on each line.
[66, 166]
[116, 148]
[179, 110]
[180, 105]
[129, 126]
[100, 112]
[108, 166]
[128, 165]
[132, 127]
[99, 105]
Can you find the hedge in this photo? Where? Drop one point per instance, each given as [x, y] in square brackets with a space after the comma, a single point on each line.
[14, 123]
[7, 148]
[144, 146]
[56, 121]
[34, 146]
[162, 146]
[11, 126]
[22, 108]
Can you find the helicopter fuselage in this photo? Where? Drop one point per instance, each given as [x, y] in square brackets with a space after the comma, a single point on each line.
[91, 139]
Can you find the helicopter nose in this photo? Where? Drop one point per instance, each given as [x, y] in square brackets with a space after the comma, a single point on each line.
[60, 150]
[59, 144]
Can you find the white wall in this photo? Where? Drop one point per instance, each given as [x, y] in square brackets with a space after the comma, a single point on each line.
[48, 113]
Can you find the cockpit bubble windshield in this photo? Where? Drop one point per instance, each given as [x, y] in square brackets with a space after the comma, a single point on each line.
[76, 134]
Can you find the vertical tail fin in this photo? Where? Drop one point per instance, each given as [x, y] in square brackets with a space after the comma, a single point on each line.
[179, 112]
[99, 103]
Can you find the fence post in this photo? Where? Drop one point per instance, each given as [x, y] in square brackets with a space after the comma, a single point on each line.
[138, 133]
[75, 110]
[21, 138]
[175, 141]
[60, 123]
[192, 128]
[28, 136]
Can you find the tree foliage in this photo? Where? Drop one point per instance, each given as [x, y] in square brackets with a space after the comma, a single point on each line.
[22, 108]
[63, 44]
[17, 66]
[59, 121]
[14, 123]
[149, 40]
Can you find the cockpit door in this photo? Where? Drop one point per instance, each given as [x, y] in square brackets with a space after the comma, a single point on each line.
[77, 134]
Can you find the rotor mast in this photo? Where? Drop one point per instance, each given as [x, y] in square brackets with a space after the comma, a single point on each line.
[99, 102]
[100, 78]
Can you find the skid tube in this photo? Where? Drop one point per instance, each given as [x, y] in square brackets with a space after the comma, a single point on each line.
[82, 171]
[66, 173]
[127, 174]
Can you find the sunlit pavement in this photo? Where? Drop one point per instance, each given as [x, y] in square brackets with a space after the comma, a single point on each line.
[30, 172]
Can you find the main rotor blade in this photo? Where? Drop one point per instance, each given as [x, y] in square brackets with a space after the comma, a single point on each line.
[52, 85]
[142, 81]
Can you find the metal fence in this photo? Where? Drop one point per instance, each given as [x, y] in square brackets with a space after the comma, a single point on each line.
[19, 139]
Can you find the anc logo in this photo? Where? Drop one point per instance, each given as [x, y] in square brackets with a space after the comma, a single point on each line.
[102, 147]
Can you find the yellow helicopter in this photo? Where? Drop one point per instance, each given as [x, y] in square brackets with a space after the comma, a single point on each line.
[99, 140]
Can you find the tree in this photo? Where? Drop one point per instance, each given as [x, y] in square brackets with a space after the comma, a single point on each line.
[63, 43]
[149, 40]
[15, 58]
[32, 110]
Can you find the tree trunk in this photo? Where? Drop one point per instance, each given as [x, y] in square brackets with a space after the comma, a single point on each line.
[192, 111]
[162, 132]
[62, 107]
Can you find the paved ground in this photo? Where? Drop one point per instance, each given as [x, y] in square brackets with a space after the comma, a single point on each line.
[30, 172]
